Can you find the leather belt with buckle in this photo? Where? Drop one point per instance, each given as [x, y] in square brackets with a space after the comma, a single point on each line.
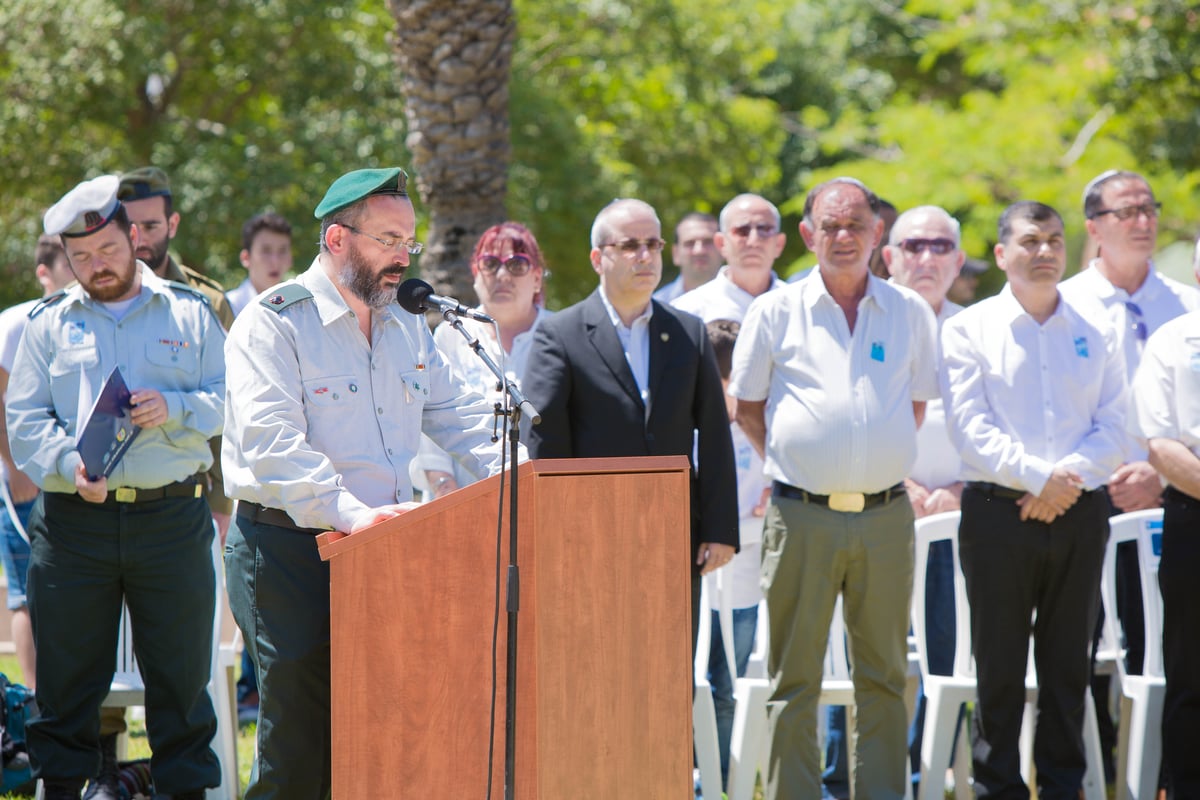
[995, 490]
[271, 516]
[128, 494]
[845, 502]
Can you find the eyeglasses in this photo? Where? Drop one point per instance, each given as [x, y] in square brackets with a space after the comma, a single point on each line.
[630, 248]
[939, 247]
[516, 264]
[1130, 212]
[412, 246]
[1138, 326]
[763, 230]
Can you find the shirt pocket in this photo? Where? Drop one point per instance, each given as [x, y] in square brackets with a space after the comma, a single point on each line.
[171, 362]
[65, 370]
[416, 394]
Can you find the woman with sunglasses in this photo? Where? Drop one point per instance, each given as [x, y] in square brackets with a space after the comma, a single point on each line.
[509, 281]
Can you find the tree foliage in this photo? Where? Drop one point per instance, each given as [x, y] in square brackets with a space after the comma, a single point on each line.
[247, 106]
[968, 105]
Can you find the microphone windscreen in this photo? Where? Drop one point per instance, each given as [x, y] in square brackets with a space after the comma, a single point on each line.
[411, 295]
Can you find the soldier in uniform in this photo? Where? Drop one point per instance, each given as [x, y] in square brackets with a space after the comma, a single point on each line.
[331, 386]
[142, 536]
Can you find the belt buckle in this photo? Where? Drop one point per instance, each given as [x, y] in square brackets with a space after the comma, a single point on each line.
[848, 502]
[126, 495]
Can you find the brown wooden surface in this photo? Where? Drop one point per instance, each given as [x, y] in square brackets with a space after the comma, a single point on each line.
[604, 688]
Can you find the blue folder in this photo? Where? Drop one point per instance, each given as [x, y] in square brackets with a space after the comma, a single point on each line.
[109, 429]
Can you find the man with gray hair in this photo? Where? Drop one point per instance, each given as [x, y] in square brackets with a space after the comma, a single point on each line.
[831, 374]
[619, 374]
[924, 254]
[750, 239]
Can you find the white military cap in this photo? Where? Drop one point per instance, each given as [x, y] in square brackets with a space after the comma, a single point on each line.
[85, 209]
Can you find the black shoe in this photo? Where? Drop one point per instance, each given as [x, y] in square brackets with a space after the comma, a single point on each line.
[107, 783]
[61, 789]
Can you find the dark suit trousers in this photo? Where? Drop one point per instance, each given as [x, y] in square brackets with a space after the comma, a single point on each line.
[1013, 568]
[1178, 576]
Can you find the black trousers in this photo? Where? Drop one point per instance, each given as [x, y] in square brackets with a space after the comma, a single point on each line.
[1179, 580]
[156, 557]
[1013, 568]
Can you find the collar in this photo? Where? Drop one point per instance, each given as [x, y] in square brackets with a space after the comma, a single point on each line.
[151, 285]
[815, 291]
[1011, 309]
[615, 318]
[331, 306]
[1109, 292]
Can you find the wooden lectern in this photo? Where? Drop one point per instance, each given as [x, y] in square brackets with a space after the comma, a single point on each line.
[604, 684]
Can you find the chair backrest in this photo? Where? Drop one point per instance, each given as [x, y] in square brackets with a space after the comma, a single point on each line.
[939, 528]
[1144, 528]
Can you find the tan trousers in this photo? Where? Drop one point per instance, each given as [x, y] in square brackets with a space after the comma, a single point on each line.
[810, 555]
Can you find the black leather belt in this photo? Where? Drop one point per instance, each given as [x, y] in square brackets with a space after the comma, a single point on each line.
[995, 490]
[271, 516]
[190, 487]
[850, 502]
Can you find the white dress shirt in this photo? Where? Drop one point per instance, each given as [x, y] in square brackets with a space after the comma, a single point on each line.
[12, 325]
[670, 292]
[1022, 398]
[938, 463]
[1159, 298]
[635, 341]
[839, 404]
[1166, 387]
[463, 359]
[721, 298]
[241, 296]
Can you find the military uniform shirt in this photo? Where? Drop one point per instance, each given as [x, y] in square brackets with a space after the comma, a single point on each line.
[323, 425]
[168, 340]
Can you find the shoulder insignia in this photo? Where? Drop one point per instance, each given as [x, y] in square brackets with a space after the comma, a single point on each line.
[46, 302]
[285, 295]
[199, 279]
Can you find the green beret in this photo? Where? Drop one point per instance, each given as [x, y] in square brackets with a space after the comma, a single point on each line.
[354, 186]
[142, 183]
[85, 209]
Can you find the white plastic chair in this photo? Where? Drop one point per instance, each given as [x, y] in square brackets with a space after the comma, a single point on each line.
[1141, 734]
[128, 689]
[945, 693]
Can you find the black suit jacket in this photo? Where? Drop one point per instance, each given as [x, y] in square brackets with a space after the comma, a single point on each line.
[579, 380]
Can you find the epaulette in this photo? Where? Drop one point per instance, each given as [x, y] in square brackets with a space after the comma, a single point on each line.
[46, 302]
[285, 295]
[200, 278]
[192, 290]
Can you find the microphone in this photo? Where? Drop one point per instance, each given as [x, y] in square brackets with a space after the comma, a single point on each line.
[416, 297]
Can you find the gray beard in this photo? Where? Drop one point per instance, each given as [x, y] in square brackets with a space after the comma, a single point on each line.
[357, 276]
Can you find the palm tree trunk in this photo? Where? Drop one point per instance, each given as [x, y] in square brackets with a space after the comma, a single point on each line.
[454, 60]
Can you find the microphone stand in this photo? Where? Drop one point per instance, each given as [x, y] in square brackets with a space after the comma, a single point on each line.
[515, 405]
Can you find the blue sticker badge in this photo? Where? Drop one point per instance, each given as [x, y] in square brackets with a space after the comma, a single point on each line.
[75, 332]
[877, 351]
[1081, 349]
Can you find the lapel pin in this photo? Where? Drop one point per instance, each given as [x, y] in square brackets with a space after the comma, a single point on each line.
[665, 336]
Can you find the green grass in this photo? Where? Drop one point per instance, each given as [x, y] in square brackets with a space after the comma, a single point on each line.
[138, 746]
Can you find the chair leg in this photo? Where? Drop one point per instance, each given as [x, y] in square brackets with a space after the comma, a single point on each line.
[748, 741]
[1145, 741]
[937, 740]
[1093, 779]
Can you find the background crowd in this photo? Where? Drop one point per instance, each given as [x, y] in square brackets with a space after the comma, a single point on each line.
[822, 415]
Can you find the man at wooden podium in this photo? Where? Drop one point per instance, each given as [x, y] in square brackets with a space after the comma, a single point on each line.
[620, 375]
[332, 385]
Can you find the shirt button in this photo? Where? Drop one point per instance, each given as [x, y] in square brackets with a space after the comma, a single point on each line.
[389, 451]
[380, 410]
